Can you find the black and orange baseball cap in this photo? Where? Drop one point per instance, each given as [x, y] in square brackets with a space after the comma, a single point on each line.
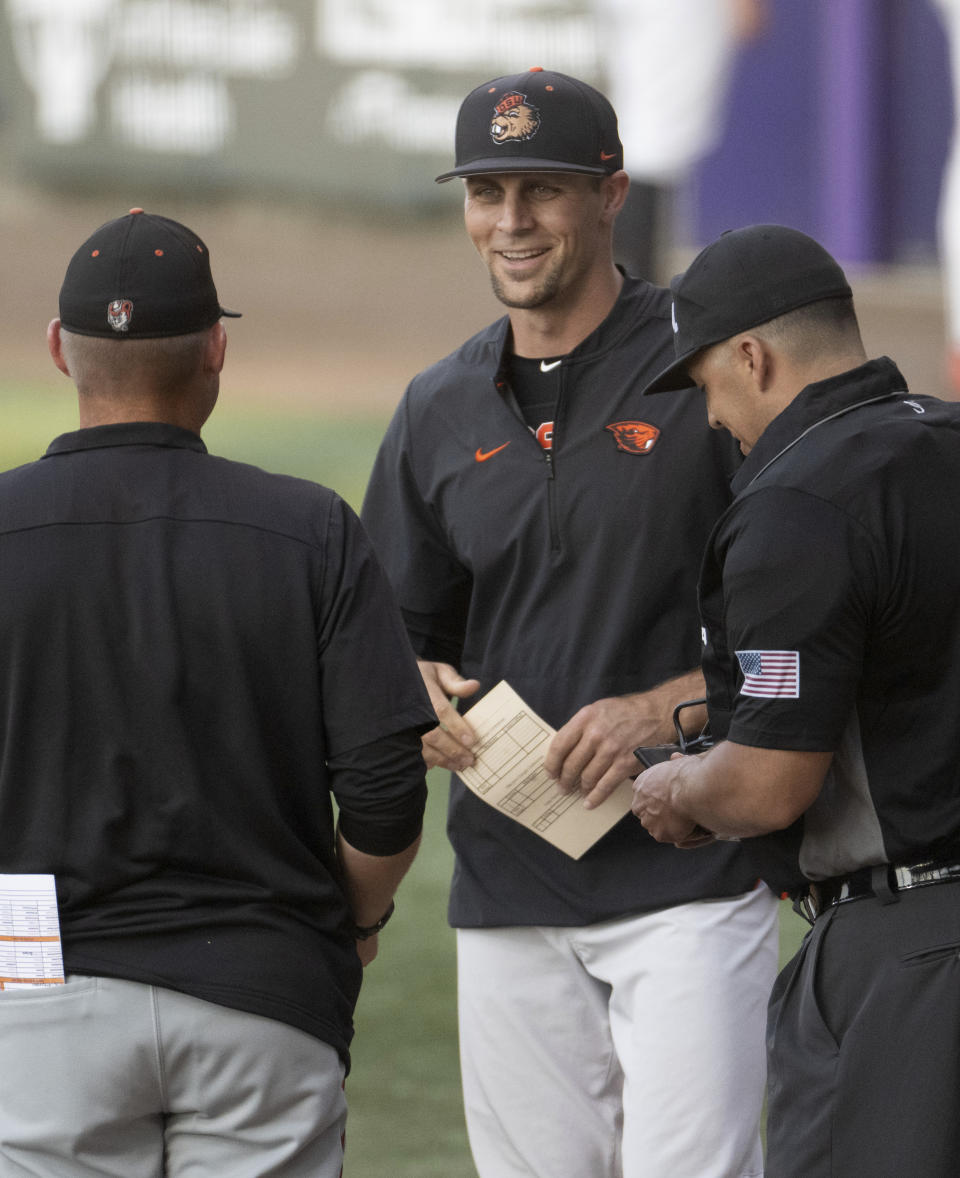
[536, 122]
[744, 279]
[140, 276]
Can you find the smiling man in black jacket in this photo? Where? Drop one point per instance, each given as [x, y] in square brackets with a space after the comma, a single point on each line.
[543, 524]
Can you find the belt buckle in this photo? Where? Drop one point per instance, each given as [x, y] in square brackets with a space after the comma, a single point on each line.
[807, 904]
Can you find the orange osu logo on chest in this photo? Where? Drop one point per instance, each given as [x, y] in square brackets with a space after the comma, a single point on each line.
[636, 437]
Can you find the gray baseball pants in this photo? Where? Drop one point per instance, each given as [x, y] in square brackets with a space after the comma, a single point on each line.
[106, 1077]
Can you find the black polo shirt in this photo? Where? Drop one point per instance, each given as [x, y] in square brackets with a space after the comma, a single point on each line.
[831, 599]
[189, 648]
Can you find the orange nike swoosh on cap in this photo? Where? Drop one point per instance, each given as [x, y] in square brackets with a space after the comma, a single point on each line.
[607, 155]
[481, 457]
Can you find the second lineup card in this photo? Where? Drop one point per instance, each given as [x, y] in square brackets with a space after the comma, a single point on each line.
[30, 950]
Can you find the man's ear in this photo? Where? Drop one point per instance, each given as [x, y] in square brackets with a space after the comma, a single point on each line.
[756, 358]
[55, 345]
[615, 189]
[216, 348]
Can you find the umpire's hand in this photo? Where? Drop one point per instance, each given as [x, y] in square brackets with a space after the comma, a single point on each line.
[654, 803]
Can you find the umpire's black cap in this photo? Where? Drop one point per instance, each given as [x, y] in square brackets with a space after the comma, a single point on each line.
[140, 276]
[744, 278]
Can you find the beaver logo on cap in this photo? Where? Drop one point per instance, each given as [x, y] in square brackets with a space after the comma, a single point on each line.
[514, 119]
[119, 314]
[636, 437]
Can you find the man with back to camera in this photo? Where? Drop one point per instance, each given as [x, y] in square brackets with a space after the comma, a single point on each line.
[831, 599]
[542, 524]
[194, 656]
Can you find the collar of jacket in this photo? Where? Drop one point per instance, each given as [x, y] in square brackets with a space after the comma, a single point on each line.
[636, 298]
[817, 403]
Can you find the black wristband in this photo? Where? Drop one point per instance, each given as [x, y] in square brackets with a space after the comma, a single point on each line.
[363, 933]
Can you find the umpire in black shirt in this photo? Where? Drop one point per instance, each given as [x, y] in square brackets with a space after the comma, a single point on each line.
[830, 599]
[195, 657]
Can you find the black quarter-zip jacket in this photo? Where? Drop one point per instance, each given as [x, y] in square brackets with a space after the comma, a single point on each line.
[571, 574]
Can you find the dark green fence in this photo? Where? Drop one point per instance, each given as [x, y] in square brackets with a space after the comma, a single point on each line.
[349, 99]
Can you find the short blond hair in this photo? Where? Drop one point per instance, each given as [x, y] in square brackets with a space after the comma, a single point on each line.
[97, 364]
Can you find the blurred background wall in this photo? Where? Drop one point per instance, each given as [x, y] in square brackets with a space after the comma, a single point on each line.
[836, 120]
[344, 100]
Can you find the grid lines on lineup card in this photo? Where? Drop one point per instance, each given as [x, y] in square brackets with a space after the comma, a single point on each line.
[532, 790]
[502, 752]
[507, 744]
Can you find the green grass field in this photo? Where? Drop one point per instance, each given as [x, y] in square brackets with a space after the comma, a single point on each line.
[405, 1119]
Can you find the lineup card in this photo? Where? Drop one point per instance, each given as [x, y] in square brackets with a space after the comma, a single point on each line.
[30, 950]
[508, 774]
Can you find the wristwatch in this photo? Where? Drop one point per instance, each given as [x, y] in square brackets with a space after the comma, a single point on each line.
[363, 933]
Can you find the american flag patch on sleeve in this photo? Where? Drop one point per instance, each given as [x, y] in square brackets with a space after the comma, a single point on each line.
[770, 674]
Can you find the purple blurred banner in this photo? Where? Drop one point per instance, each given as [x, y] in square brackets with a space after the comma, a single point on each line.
[838, 123]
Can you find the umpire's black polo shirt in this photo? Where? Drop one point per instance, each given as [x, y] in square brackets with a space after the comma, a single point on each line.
[831, 599]
[187, 647]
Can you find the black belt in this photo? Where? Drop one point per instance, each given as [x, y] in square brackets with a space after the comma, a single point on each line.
[883, 881]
